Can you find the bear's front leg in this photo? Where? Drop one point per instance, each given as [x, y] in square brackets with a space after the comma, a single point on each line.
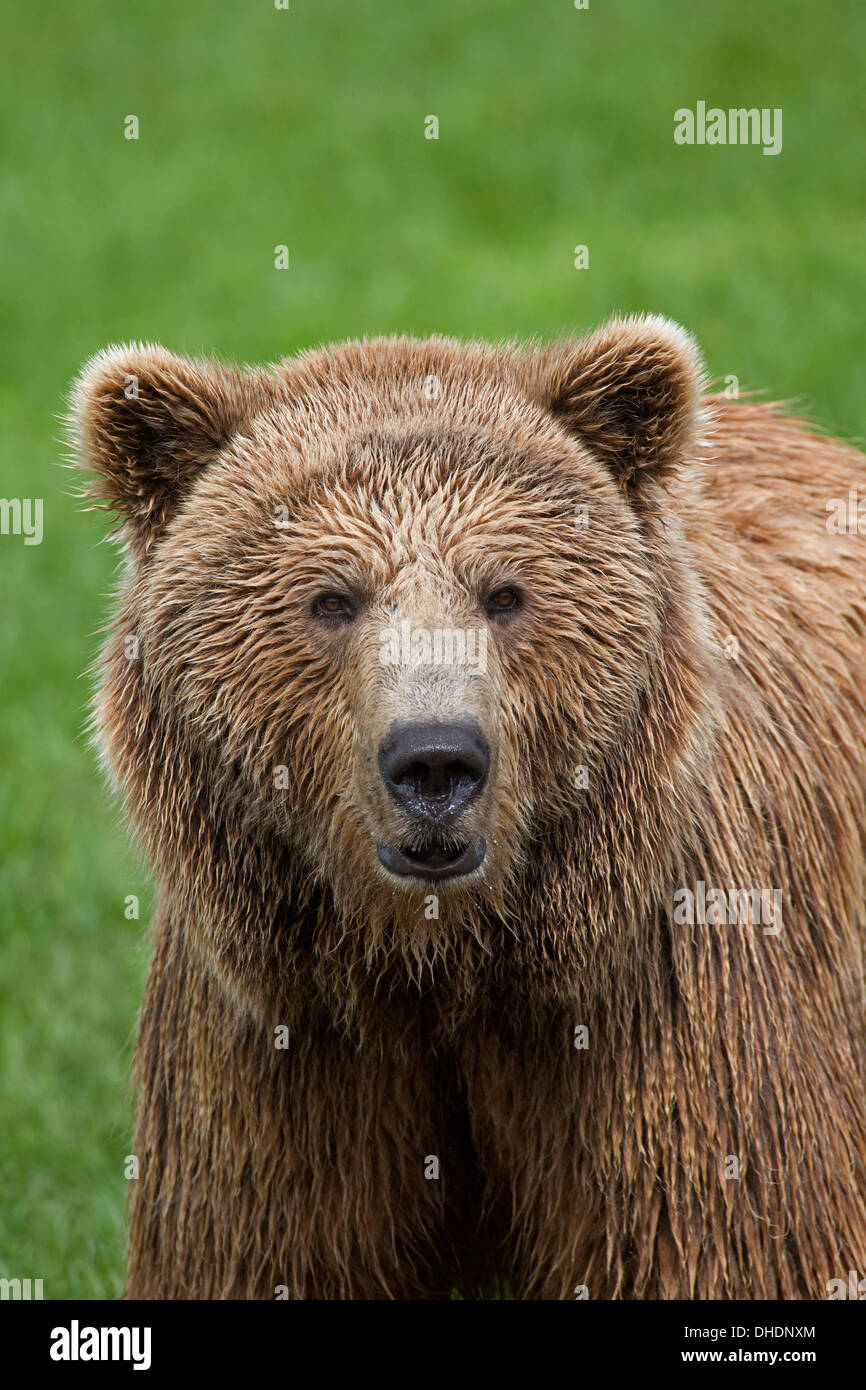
[653, 1164]
[302, 1164]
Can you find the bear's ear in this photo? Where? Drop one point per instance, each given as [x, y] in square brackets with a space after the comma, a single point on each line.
[632, 391]
[146, 423]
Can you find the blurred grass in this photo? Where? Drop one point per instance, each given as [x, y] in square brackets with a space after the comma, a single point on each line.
[260, 127]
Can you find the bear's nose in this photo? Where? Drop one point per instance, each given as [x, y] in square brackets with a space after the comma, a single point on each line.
[434, 770]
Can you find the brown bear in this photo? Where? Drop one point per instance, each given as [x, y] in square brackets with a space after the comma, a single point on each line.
[494, 718]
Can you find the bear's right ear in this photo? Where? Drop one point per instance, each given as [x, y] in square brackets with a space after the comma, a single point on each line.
[146, 423]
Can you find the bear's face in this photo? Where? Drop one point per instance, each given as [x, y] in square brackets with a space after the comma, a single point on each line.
[402, 596]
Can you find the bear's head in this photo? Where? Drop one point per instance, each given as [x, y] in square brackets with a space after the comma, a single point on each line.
[403, 625]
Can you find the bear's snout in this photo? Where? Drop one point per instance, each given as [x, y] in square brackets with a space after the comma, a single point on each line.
[433, 771]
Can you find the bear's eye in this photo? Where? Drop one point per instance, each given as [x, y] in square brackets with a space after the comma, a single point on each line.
[334, 608]
[502, 601]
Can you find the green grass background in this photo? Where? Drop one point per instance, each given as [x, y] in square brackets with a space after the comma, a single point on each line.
[306, 127]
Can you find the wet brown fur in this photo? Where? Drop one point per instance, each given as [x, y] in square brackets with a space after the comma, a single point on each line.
[412, 1036]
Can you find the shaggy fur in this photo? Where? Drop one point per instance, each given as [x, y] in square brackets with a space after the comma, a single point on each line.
[418, 477]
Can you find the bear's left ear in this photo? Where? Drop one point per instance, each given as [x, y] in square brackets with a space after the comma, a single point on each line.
[146, 423]
[632, 391]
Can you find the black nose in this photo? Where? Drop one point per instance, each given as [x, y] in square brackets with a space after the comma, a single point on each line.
[434, 770]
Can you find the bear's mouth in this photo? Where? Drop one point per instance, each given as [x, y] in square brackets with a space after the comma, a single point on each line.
[434, 860]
